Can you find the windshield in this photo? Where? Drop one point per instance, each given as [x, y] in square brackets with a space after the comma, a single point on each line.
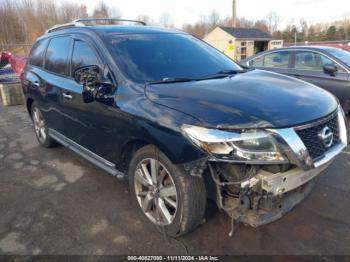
[154, 57]
[341, 54]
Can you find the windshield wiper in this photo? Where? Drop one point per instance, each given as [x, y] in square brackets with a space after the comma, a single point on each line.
[220, 74]
[229, 72]
[172, 80]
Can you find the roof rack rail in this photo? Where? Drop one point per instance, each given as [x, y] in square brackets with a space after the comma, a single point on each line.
[82, 21]
[63, 26]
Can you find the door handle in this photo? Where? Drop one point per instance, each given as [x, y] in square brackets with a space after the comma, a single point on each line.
[36, 83]
[67, 96]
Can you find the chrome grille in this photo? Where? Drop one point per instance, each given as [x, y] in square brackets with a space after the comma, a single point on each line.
[313, 143]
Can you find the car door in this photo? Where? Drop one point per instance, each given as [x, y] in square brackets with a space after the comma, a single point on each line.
[277, 61]
[91, 125]
[308, 66]
[53, 80]
[32, 75]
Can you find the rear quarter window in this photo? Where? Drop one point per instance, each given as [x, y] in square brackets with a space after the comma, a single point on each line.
[36, 56]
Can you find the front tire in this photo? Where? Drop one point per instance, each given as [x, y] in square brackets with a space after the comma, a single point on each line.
[40, 128]
[167, 196]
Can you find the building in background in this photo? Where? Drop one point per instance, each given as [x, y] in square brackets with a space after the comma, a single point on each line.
[240, 43]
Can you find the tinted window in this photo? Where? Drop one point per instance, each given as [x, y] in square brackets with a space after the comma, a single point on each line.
[57, 55]
[259, 61]
[312, 61]
[340, 54]
[83, 55]
[36, 56]
[277, 59]
[326, 61]
[308, 61]
[153, 57]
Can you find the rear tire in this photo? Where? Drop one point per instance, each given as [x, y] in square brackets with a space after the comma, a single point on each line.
[150, 182]
[40, 128]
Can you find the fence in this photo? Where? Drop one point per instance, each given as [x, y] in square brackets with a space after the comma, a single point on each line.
[345, 44]
[16, 49]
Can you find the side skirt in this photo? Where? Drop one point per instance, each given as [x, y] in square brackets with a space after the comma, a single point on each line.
[87, 154]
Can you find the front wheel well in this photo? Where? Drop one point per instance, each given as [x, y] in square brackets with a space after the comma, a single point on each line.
[128, 151]
[30, 101]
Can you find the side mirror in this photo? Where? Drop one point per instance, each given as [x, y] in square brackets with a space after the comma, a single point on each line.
[88, 76]
[330, 69]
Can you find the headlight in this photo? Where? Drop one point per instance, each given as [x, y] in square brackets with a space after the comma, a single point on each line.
[250, 145]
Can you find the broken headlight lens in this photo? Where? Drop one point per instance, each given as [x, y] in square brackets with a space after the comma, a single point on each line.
[249, 145]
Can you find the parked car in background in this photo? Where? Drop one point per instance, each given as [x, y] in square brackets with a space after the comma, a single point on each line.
[181, 121]
[326, 67]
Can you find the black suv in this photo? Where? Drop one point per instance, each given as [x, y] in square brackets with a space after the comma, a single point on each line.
[181, 121]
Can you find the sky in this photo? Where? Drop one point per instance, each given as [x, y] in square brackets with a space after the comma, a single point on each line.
[190, 11]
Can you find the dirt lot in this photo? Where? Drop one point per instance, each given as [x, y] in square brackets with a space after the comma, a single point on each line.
[53, 202]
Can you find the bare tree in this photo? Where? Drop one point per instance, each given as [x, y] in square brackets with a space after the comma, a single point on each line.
[166, 20]
[11, 28]
[100, 10]
[213, 19]
[273, 20]
[245, 23]
[147, 19]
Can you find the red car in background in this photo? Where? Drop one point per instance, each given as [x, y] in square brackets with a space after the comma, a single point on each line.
[342, 46]
[17, 62]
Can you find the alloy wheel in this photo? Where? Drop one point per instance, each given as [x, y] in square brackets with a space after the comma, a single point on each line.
[156, 192]
[39, 125]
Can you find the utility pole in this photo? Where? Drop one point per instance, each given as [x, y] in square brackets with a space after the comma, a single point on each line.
[234, 13]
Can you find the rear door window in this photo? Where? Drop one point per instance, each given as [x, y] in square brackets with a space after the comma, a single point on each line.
[308, 61]
[36, 56]
[83, 55]
[305, 60]
[257, 62]
[277, 59]
[56, 59]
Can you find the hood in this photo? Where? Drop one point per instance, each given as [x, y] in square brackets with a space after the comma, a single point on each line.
[248, 100]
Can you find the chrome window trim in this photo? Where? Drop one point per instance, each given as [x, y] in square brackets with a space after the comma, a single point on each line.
[268, 53]
[303, 50]
[330, 58]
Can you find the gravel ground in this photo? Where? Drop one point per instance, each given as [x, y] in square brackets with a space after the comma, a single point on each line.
[53, 202]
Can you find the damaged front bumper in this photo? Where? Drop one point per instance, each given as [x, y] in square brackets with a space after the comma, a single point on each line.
[283, 182]
[266, 196]
[258, 193]
[281, 192]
